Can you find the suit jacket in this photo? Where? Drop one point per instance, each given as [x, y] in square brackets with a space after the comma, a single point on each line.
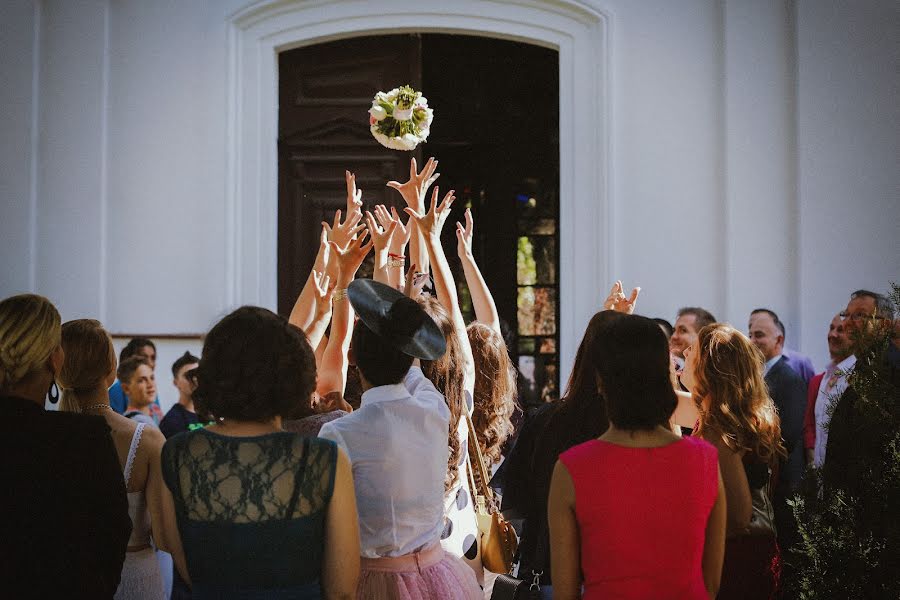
[788, 391]
[801, 364]
[809, 419]
[856, 440]
[64, 513]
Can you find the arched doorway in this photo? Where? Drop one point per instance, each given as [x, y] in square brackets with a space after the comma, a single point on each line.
[496, 134]
[578, 29]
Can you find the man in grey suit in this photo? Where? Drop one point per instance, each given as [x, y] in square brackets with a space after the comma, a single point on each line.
[788, 390]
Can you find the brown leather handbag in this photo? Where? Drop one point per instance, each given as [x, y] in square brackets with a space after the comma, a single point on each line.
[498, 538]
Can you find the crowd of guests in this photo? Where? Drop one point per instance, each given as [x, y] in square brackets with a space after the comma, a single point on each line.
[327, 455]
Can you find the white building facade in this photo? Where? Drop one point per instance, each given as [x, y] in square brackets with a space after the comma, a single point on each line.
[720, 153]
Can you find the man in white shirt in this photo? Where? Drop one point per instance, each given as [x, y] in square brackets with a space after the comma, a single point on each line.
[825, 389]
[396, 443]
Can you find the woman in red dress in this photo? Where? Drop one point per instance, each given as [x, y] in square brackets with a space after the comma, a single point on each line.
[638, 512]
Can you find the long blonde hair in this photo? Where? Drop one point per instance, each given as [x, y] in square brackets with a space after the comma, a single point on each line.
[90, 358]
[732, 395]
[495, 390]
[29, 333]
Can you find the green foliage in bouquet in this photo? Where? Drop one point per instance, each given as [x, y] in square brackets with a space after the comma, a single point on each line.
[406, 98]
[850, 534]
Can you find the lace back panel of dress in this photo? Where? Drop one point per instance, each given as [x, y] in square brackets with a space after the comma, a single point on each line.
[253, 480]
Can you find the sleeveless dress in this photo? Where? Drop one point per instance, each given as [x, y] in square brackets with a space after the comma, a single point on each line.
[141, 577]
[251, 511]
[642, 516]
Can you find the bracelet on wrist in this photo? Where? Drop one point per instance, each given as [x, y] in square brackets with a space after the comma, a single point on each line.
[339, 295]
[396, 263]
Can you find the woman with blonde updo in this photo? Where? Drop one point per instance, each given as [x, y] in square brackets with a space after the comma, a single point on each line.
[65, 516]
[724, 372]
[87, 372]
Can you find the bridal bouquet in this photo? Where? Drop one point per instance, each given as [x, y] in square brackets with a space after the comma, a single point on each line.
[400, 119]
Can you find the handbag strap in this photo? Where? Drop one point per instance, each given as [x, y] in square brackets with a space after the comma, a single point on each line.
[482, 470]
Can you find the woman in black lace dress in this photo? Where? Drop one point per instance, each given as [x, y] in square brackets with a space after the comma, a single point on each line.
[262, 513]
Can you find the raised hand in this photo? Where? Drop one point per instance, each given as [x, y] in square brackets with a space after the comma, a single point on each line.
[350, 258]
[381, 237]
[354, 196]
[414, 190]
[401, 234]
[414, 282]
[432, 222]
[618, 302]
[323, 291]
[342, 233]
[464, 235]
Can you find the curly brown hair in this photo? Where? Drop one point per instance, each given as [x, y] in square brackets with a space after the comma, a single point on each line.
[732, 396]
[495, 390]
[446, 373]
[255, 366]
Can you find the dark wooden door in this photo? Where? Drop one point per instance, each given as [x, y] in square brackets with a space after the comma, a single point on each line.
[325, 92]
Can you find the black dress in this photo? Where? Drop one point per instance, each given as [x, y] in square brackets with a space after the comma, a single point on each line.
[64, 513]
[547, 431]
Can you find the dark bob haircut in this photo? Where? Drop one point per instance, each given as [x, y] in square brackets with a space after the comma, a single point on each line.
[633, 365]
[255, 366]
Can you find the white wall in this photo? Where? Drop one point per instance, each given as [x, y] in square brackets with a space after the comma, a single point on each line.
[753, 149]
[17, 145]
[848, 127]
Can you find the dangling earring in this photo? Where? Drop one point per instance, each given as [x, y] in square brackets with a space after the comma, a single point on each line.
[53, 393]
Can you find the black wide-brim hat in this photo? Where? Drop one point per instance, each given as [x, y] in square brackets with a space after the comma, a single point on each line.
[400, 321]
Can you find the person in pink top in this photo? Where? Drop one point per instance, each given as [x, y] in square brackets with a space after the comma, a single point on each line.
[638, 512]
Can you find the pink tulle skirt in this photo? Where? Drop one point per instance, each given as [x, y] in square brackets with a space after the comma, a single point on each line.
[431, 574]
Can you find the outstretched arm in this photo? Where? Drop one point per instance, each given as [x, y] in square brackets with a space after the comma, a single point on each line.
[413, 192]
[482, 300]
[397, 246]
[304, 308]
[333, 371]
[381, 237]
[324, 289]
[431, 224]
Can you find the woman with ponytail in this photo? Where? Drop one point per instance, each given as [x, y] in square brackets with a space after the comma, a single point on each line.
[64, 514]
[87, 372]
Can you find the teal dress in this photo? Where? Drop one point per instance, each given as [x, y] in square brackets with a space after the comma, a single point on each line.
[251, 511]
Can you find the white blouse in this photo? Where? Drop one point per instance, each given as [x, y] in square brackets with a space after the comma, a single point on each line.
[397, 445]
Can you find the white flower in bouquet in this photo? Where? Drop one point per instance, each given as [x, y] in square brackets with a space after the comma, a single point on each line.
[400, 119]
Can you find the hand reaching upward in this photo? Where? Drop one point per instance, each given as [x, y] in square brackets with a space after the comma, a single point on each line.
[432, 222]
[381, 237]
[618, 302]
[354, 196]
[464, 235]
[324, 290]
[350, 258]
[414, 190]
[401, 234]
[342, 233]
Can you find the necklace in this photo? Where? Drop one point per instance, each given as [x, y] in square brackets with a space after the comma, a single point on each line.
[96, 407]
